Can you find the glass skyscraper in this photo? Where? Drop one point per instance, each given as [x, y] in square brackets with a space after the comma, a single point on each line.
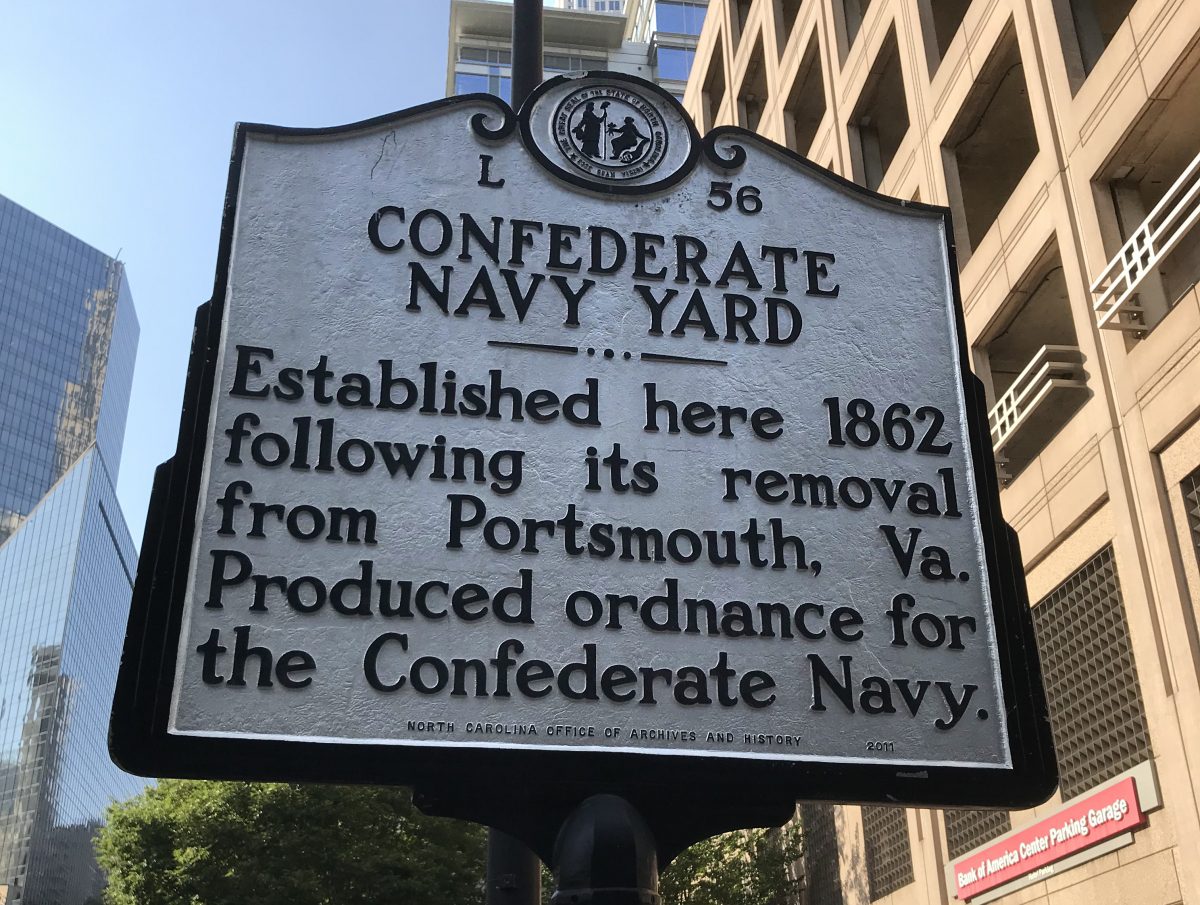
[68, 337]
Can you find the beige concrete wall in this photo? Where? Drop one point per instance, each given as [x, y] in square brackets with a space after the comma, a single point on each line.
[1111, 473]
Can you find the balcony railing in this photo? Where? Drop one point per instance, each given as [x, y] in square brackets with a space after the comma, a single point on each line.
[1116, 303]
[1052, 370]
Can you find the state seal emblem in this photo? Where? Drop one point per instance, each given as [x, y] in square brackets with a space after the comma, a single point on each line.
[610, 132]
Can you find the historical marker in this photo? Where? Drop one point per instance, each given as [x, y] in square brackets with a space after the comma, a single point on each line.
[569, 446]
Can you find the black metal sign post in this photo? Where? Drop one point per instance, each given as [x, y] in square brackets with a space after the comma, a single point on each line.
[514, 874]
[526, 49]
[604, 847]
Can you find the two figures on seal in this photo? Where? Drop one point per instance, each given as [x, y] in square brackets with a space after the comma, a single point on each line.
[627, 142]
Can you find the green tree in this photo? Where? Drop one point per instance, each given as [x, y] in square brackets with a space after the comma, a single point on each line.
[227, 843]
[745, 867]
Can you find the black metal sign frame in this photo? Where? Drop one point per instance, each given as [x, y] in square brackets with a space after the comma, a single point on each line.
[472, 782]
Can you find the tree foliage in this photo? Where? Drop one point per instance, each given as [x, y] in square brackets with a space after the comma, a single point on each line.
[745, 867]
[227, 843]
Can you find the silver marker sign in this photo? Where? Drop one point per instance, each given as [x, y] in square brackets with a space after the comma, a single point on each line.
[569, 442]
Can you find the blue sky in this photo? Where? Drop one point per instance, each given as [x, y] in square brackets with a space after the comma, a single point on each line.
[116, 120]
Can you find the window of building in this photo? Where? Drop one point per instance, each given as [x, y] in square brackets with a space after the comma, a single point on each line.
[1086, 28]
[713, 93]
[880, 117]
[853, 13]
[741, 12]
[804, 108]
[1148, 199]
[1191, 506]
[494, 55]
[675, 62]
[1031, 365]
[598, 6]
[679, 18]
[470, 82]
[790, 12]
[491, 83]
[1091, 678]
[570, 62]
[966, 830]
[940, 21]
[752, 95]
[889, 854]
[1163, 280]
[991, 144]
[822, 872]
[484, 69]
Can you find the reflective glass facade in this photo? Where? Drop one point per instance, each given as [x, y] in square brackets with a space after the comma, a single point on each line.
[68, 337]
[678, 17]
[675, 63]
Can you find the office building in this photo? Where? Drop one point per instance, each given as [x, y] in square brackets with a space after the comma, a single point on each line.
[68, 337]
[1064, 136]
[654, 39]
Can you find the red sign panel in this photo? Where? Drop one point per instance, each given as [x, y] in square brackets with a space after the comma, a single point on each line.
[1101, 816]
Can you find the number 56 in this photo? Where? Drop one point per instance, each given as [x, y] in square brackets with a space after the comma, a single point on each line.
[748, 199]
